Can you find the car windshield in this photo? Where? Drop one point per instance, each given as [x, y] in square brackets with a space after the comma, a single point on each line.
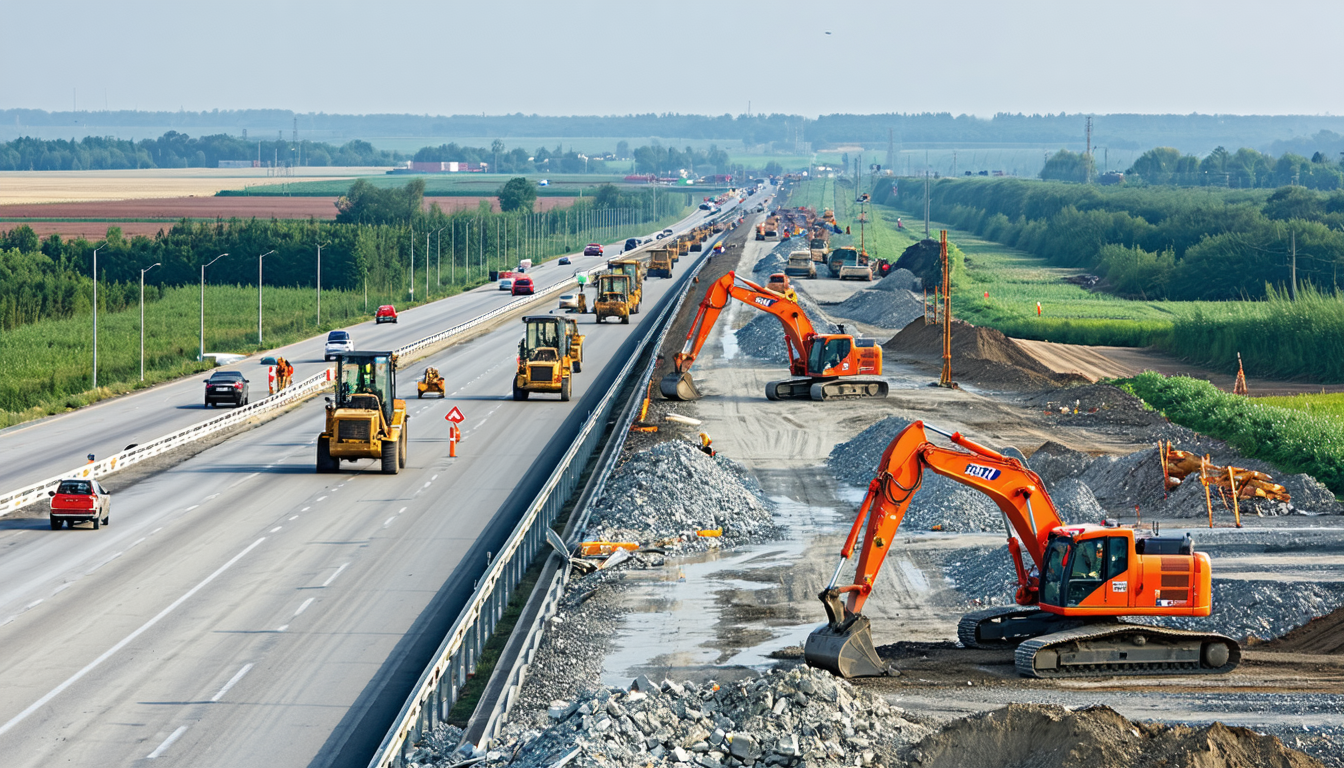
[226, 376]
[338, 336]
[76, 486]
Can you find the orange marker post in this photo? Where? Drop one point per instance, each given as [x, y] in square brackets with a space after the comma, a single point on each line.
[454, 434]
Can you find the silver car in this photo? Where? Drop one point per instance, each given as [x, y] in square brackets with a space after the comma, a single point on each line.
[569, 301]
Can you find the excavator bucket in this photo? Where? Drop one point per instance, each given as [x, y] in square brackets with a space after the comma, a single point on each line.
[843, 645]
[678, 386]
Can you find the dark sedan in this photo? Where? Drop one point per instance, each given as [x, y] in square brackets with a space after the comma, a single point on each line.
[226, 387]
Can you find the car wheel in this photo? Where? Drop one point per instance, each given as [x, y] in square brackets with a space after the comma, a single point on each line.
[55, 524]
[564, 390]
[97, 523]
[107, 520]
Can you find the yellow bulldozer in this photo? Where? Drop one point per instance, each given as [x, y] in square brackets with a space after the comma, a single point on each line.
[613, 297]
[544, 361]
[633, 268]
[365, 420]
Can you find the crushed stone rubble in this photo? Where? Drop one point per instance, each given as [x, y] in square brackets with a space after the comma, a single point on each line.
[763, 336]
[944, 502]
[1242, 608]
[899, 280]
[796, 717]
[669, 492]
[880, 307]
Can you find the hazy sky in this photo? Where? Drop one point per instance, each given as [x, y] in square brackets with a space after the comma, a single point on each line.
[604, 57]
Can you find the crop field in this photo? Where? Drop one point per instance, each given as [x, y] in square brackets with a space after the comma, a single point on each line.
[445, 184]
[25, 187]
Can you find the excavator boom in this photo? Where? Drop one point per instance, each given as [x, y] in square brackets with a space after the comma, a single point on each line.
[1074, 581]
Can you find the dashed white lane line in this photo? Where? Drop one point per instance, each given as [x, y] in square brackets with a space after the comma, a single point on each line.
[282, 628]
[320, 498]
[193, 506]
[232, 682]
[305, 509]
[389, 520]
[399, 511]
[432, 479]
[168, 742]
[304, 606]
[33, 604]
[295, 517]
[333, 576]
[125, 641]
[276, 528]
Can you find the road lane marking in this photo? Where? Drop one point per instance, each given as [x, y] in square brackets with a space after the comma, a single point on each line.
[232, 682]
[193, 506]
[276, 528]
[282, 628]
[320, 498]
[399, 511]
[386, 523]
[304, 606]
[168, 742]
[432, 479]
[296, 517]
[125, 641]
[305, 509]
[333, 576]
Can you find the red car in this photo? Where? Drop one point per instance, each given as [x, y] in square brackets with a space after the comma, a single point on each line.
[385, 314]
[593, 249]
[522, 286]
[80, 501]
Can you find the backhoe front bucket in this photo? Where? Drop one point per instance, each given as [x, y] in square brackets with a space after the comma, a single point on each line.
[678, 386]
[845, 649]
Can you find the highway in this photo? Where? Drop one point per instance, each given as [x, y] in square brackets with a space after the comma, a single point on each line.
[240, 609]
[44, 448]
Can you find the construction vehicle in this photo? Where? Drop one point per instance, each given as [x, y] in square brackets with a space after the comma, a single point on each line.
[827, 366]
[432, 382]
[634, 268]
[800, 265]
[575, 344]
[366, 420]
[544, 360]
[660, 263]
[1078, 582]
[779, 283]
[613, 297]
[856, 269]
[841, 256]
[818, 245]
[760, 231]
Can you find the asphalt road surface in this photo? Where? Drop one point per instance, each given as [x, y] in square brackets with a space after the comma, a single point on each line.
[240, 609]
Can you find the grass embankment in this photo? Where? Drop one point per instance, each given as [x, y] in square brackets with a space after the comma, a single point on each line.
[1296, 439]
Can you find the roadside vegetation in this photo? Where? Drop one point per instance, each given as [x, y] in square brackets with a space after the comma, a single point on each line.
[46, 287]
[1296, 439]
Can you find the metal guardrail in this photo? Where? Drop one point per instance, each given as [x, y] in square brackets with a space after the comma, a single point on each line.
[555, 589]
[441, 682]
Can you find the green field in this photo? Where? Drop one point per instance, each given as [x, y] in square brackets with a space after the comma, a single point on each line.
[1324, 404]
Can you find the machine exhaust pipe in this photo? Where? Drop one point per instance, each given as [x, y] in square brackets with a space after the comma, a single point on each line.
[678, 386]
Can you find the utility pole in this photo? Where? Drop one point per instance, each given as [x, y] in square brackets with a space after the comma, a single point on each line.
[412, 265]
[142, 318]
[1087, 168]
[95, 318]
[259, 258]
[945, 380]
[926, 204]
[1293, 285]
[203, 266]
[319, 284]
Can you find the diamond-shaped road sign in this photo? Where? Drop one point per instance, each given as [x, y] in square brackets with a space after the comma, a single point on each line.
[455, 416]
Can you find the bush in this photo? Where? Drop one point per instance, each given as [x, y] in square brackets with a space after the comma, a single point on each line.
[1294, 440]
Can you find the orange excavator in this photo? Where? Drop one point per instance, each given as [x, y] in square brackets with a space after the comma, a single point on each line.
[1078, 582]
[829, 366]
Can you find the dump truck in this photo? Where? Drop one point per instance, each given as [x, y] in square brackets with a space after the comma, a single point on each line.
[613, 297]
[800, 265]
[660, 263]
[575, 343]
[635, 270]
[544, 362]
[856, 268]
[365, 420]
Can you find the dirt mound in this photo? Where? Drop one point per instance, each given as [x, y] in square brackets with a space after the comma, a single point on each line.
[980, 355]
[924, 259]
[899, 280]
[1117, 406]
[1048, 736]
[883, 308]
[1321, 635]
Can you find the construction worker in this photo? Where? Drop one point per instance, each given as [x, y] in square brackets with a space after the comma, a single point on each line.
[706, 445]
[289, 373]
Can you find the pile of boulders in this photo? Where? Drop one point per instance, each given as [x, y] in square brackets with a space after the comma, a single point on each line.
[671, 491]
[796, 717]
[900, 280]
[881, 307]
[941, 503]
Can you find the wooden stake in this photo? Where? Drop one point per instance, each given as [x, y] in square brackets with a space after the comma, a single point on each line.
[1236, 507]
[1204, 480]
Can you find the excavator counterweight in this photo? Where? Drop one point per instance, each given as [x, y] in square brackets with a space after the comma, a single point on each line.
[1075, 582]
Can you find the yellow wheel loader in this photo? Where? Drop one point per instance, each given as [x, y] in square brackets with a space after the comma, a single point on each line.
[365, 420]
[544, 361]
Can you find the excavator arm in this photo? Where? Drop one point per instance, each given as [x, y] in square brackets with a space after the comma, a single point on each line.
[797, 329]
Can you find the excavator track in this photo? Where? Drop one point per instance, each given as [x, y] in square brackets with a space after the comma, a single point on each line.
[1007, 625]
[1108, 649]
[826, 389]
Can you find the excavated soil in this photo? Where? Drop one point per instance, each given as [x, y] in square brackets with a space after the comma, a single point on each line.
[1323, 635]
[1044, 736]
[980, 355]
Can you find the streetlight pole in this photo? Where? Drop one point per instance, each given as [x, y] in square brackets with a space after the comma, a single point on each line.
[412, 266]
[95, 316]
[203, 266]
[438, 257]
[259, 258]
[142, 318]
[319, 283]
[427, 293]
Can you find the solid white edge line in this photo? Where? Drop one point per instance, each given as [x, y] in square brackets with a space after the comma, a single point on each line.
[333, 576]
[168, 742]
[232, 682]
[54, 692]
[305, 605]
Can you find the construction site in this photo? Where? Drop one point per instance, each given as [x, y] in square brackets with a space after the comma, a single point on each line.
[847, 529]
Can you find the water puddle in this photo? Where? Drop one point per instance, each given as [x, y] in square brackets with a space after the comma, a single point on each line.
[678, 617]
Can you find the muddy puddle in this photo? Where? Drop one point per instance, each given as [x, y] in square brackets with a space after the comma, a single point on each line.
[704, 610]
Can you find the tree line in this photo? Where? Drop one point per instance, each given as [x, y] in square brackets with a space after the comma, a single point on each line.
[1151, 242]
[178, 150]
[1244, 169]
[370, 244]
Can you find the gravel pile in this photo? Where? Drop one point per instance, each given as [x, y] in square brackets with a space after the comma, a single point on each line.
[777, 259]
[798, 717]
[883, 308]
[673, 490]
[763, 337]
[899, 280]
[944, 502]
